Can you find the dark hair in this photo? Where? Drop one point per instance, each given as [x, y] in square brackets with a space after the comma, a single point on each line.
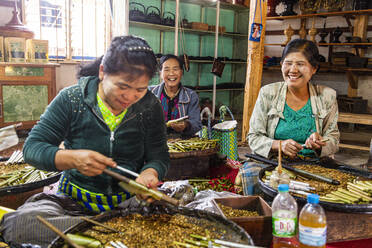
[90, 69]
[306, 47]
[126, 54]
[170, 56]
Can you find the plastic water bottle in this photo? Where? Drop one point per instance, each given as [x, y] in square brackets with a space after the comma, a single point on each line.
[284, 219]
[312, 224]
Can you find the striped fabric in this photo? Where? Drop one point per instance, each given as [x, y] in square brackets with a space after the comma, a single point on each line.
[92, 201]
[170, 106]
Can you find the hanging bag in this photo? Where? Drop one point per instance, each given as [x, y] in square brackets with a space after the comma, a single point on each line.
[217, 67]
[226, 133]
[218, 64]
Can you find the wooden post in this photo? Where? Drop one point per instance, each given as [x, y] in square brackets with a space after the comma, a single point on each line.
[255, 63]
[360, 30]
[176, 28]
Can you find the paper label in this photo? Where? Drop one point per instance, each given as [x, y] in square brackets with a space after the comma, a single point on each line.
[312, 236]
[284, 227]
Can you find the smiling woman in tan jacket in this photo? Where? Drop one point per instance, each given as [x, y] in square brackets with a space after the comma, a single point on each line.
[302, 115]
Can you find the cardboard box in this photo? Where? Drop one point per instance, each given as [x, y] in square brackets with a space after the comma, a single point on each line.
[2, 49]
[258, 227]
[221, 29]
[15, 49]
[199, 26]
[37, 51]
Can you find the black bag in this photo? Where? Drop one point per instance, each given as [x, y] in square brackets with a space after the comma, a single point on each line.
[153, 16]
[168, 19]
[217, 67]
[135, 14]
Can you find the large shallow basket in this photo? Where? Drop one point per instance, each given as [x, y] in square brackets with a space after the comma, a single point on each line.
[235, 232]
[328, 163]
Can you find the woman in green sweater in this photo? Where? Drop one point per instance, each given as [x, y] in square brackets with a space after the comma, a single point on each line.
[104, 120]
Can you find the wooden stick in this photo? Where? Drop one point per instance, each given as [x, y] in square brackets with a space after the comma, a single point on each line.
[58, 232]
[98, 224]
[280, 158]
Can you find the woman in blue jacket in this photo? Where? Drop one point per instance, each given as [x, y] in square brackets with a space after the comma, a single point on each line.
[104, 120]
[177, 101]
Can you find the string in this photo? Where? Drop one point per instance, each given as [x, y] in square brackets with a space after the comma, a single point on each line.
[255, 9]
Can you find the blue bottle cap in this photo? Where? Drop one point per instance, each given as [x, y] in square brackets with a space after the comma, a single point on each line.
[283, 188]
[313, 198]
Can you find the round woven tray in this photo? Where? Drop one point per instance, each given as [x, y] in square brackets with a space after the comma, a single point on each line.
[197, 153]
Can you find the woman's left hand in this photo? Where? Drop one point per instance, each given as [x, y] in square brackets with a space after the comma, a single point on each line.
[149, 178]
[179, 126]
[314, 141]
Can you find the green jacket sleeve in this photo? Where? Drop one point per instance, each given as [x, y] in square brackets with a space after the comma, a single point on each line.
[42, 143]
[156, 149]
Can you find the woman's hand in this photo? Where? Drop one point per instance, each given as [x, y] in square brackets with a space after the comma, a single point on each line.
[149, 178]
[179, 126]
[289, 147]
[314, 141]
[87, 162]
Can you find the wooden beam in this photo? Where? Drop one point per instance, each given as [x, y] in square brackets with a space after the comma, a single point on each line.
[354, 147]
[365, 119]
[255, 63]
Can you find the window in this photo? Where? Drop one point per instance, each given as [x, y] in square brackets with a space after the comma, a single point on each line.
[75, 29]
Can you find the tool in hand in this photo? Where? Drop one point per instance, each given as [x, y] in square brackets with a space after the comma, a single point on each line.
[169, 123]
[127, 171]
[323, 140]
[137, 188]
[58, 232]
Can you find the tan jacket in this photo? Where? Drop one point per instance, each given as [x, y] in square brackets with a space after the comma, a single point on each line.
[270, 106]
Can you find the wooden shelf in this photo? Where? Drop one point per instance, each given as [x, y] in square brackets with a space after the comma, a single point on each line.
[325, 14]
[365, 119]
[223, 5]
[328, 69]
[354, 147]
[345, 44]
[227, 89]
[211, 62]
[325, 44]
[188, 30]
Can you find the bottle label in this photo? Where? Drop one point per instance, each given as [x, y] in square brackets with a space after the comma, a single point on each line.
[312, 236]
[284, 227]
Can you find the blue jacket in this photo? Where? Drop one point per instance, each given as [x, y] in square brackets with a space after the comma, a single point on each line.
[138, 143]
[188, 104]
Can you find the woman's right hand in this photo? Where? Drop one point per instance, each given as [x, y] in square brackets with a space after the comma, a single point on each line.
[289, 147]
[87, 162]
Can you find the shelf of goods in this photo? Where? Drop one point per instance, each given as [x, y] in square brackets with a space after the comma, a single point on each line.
[198, 43]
